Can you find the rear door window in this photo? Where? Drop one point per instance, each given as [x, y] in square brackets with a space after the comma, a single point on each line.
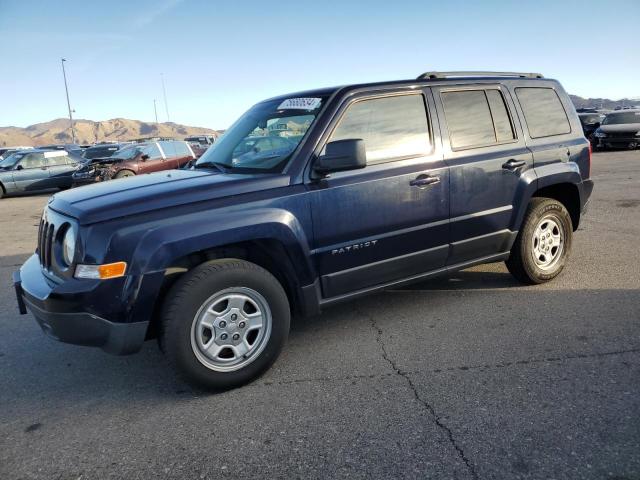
[182, 150]
[57, 160]
[477, 118]
[543, 111]
[504, 129]
[468, 118]
[169, 148]
[392, 127]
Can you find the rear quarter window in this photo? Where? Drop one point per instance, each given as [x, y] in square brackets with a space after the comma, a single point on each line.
[543, 112]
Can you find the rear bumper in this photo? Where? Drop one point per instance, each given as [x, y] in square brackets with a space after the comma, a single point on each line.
[78, 312]
[585, 195]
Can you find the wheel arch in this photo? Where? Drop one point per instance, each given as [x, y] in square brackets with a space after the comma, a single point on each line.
[270, 238]
[268, 253]
[568, 195]
[560, 181]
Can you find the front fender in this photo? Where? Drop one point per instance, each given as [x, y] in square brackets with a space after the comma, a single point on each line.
[162, 245]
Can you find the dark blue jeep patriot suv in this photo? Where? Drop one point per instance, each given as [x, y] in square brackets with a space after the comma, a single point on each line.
[311, 199]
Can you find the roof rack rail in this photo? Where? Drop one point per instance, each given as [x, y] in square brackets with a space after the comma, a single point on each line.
[436, 75]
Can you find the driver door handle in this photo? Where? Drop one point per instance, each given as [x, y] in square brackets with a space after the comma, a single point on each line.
[423, 181]
[513, 164]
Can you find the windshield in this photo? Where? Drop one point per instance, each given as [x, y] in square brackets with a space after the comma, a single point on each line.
[264, 137]
[619, 118]
[128, 153]
[11, 160]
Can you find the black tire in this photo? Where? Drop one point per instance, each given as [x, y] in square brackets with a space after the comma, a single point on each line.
[124, 174]
[2, 192]
[191, 292]
[521, 263]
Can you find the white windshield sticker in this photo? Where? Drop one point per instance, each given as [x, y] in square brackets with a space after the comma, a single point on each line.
[300, 104]
[55, 153]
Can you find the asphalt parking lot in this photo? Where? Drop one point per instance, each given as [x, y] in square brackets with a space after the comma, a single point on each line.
[470, 377]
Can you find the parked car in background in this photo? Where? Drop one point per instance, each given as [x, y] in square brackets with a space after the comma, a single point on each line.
[202, 140]
[101, 150]
[620, 129]
[590, 122]
[265, 150]
[200, 143]
[6, 151]
[135, 159]
[36, 169]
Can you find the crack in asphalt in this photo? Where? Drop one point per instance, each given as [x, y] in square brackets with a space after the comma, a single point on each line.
[484, 367]
[438, 421]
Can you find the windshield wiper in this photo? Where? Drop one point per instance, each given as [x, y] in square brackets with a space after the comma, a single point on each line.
[217, 165]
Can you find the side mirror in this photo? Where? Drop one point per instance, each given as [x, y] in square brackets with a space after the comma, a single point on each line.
[341, 155]
[145, 157]
[19, 167]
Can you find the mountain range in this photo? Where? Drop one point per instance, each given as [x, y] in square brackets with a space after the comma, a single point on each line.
[88, 131]
[121, 129]
[605, 103]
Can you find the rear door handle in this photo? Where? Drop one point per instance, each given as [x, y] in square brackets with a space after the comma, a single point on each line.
[513, 164]
[423, 181]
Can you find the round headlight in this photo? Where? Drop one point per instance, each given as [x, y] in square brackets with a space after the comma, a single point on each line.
[69, 246]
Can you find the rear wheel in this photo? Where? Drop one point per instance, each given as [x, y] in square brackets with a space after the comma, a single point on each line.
[543, 244]
[224, 323]
[124, 174]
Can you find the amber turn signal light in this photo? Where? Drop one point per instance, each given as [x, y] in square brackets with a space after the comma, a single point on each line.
[101, 272]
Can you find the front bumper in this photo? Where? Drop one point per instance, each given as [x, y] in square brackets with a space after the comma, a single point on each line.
[616, 142]
[71, 312]
[77, 180]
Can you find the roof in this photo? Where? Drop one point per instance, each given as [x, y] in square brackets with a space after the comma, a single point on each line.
[443, 78]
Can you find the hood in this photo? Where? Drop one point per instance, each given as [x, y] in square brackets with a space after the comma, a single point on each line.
[620, 128]
[144, 193]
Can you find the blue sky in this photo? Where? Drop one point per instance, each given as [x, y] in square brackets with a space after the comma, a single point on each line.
[219, 58]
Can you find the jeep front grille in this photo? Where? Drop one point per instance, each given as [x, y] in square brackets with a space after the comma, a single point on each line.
[45, 243]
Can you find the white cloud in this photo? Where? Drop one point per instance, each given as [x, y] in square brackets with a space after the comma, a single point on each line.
[151, 14]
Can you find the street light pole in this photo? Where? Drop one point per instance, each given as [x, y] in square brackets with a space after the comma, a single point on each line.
[66, 89]
[164, 92]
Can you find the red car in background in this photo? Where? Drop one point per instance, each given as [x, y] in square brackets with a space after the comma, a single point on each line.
[146, 157]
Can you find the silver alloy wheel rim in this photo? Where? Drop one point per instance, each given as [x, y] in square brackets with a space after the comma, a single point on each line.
[231, 329]
[547, 242]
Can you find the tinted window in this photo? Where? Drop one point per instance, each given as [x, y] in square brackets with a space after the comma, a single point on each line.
[58, 160]
[153, 151]
[169, 148]
[504, 129]
[33, 160]
[391, 127]
[468, 118]
[98, 152]
[543, 112]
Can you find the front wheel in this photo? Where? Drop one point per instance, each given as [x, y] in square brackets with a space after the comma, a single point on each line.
[543, 244]
[224, 323]
[124, 174]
